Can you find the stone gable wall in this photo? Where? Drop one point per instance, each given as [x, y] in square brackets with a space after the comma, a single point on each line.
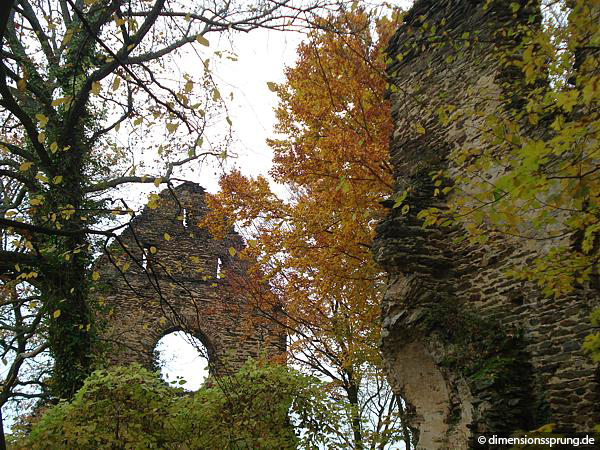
[180, 290]
[468, 348]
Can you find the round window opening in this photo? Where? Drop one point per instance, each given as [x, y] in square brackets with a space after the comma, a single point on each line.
[183, 360]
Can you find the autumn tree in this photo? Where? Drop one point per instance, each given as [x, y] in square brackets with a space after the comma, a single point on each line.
[313, 246]
[84, 86]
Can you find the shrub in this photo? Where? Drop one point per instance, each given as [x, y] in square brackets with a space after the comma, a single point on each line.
[267, 407]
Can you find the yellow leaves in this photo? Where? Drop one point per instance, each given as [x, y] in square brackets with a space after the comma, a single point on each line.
[95, 89]
[533, 118]
[24, 167]
[167, 236]
[232, 251]
[54, 147]
[67, 37]
[42, 119]
[58, 101]
[116, 83]
[43, 178]
[189, 85]
[272, 86]
[567, 99]
[400, 199]
[172, 127]
[419, 128]
[56, 314]
[37, 200]
[216, 95]
[67, 212]
[95, 276]
[22, 85]
[589, 237]
[591, 345]
[153, 249]
[202, 40]
[57, 179]
[157, 181]
[590, 90]
[153, 201]
[27, 275]
[41, 137]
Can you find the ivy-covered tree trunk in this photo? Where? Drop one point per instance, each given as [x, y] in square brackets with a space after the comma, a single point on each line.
[70, 326]
[65, 281]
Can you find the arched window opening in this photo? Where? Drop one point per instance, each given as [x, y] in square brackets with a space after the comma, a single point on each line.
[182, 359]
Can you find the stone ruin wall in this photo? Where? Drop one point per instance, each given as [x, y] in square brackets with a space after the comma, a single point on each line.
[180, 290]
[468, 348]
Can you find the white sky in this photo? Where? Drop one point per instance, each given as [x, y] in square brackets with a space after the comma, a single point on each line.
[262, 55]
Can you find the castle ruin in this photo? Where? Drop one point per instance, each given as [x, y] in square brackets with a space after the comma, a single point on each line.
[468, 348]
[166, 274]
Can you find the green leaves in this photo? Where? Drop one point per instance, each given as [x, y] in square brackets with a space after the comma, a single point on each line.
[130, 407]
[531, 171]
[400, 199]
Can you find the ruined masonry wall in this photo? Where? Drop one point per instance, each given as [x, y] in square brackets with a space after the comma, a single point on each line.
[468, 348]
[180, 290]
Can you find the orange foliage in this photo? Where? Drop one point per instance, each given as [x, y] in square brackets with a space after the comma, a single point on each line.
[313, 248]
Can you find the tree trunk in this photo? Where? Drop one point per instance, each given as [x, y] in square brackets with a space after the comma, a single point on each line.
[66, 282]
[352, 393]
[2, 438]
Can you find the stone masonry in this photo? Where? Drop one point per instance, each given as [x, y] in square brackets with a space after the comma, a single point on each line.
[469, 349]
[178, 281]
